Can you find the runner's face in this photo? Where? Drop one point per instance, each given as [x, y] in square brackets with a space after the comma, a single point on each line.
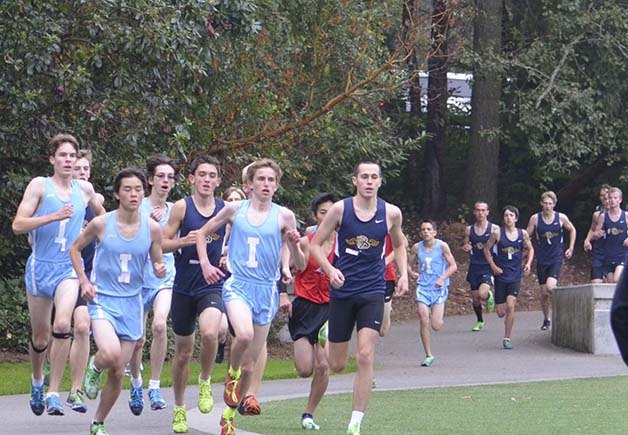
[205, 179]
[264, 183]
[368, 180]
[603, 195]
[163, 180]
[480, 211]
[614, 199]
[547, 204]
[130, 193]
[64, 159]
[510, 219]
[321, 211]
[82, 169]
[427, 231]
[234, 196]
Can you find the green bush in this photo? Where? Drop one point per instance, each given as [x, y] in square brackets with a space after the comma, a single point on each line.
[14, 318]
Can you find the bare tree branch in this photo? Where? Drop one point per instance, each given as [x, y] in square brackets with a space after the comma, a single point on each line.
[563, 59]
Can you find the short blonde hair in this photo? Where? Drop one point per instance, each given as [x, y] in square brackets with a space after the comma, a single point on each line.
[549, 194]
[263, 163]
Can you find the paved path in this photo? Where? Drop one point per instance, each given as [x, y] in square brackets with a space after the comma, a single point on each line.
[462, 358]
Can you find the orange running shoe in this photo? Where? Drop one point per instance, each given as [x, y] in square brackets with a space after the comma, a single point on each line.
[249, 406]
[232, 392]
[226, 426]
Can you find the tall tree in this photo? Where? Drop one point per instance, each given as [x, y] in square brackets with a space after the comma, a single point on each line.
[435, 193]
[482, 170]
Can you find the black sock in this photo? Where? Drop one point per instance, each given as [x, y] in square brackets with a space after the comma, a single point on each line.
[306, 415]
[478, 312]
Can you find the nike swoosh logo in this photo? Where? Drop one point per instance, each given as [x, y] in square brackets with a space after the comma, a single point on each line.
[379, 221]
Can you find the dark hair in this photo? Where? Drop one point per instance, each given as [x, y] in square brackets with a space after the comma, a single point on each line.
[511, 208]
[59, 139]
[199, 159]
[159, 159]
[128, 173]
[320, 199]
[428, 221]
[481, 201]
[366, 162]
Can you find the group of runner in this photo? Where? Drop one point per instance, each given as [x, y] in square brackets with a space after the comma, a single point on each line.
[197, 260]
[204, 259]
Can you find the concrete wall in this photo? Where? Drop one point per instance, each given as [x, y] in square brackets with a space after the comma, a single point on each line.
[581, 318]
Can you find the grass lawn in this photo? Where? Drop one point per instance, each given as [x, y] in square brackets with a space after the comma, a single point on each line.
[16, 376]
[581, 406]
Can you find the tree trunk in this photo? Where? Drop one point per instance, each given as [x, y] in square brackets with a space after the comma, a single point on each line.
[435, 194]
[410, 19]
[483, 162]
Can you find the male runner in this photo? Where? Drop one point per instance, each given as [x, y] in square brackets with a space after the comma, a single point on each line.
[479, 276]
[309, 311]
[435, 264]
[357, 276]
[596, 246]
[125, 237]
[192, 297]
[258, 229]
[507, 266]
[161, 174]
[52, 213]
[548, 226]
[614, 228]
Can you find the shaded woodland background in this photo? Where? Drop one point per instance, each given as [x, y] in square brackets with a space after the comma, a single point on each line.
[317, 85]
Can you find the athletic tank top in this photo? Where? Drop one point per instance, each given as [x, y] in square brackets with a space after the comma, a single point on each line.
[313, 284]
[550, 240]
[51, 242]
[433, 264]
[255, 251]
[360, 252]
[477, 245]
[509, 256]
[88, 251]
[390, 273]
[119, 263]
[615, 233]
[189, 277]
[150, 280]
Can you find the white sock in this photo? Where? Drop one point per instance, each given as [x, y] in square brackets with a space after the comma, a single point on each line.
[153, 384]
[209, 379]
[137, 383]
[51, 394]
[356, 418]
[37, 382]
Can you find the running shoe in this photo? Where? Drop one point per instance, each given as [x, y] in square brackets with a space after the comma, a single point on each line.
[507, 343]
[98, 429]
[37, 402]
[232, 391]
[428, 361]
[220, 353]
[546, 325]
[308, 423]
[136, 400]
[156, 401]
[205, 397]
[490, 302]
[323, 334]
[226, 426]
[478, 326]
[76, 402]
[249, 406]
[54, 405]
[353, 429]
[91, 382]
[179, 420]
